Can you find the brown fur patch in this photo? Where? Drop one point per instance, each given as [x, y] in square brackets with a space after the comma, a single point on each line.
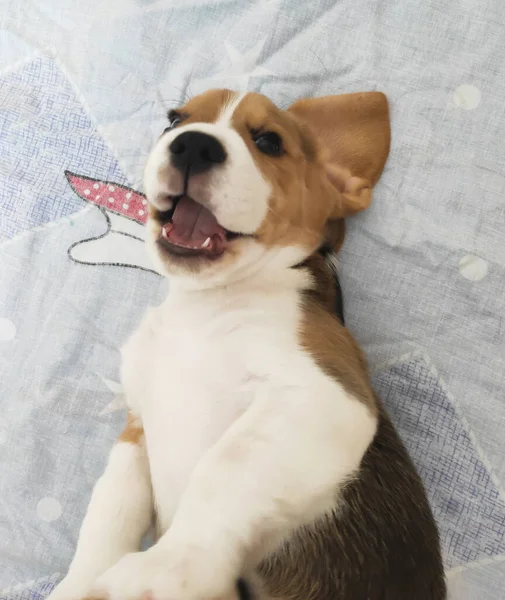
[330, 344]
[324, 291]
[133, 432]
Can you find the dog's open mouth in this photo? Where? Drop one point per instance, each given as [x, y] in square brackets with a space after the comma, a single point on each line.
[190, 229]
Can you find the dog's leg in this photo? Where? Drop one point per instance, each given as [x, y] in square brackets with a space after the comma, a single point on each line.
[119, 514]
[279, 466]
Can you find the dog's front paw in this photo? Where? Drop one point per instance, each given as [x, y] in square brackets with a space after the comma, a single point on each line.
[136, 576]
[152, 575]
[70, 588]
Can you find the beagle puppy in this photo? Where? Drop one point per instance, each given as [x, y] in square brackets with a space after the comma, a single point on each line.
[255, 443]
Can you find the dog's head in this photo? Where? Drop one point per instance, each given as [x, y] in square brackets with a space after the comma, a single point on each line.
[236, 184]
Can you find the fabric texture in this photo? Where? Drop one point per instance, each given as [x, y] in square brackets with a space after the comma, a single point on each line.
[84, 88]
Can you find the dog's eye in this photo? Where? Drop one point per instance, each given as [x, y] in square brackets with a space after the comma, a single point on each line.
[268, 142]
[174, 119]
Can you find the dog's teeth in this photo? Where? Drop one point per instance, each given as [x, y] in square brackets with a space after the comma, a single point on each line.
[166, 229]
[206, 244]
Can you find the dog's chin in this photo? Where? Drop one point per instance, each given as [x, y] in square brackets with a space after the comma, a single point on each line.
[176, 260]
[177, 251]
[172, 260]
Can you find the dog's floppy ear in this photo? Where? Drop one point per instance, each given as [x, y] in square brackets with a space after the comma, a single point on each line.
[354, 135]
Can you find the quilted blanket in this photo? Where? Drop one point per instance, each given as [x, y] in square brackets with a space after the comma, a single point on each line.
[84, 87]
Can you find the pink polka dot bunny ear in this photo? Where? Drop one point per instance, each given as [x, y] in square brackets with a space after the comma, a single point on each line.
[112, 197]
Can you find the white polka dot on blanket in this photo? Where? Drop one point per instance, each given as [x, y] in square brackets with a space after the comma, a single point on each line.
[473, 268]
[467, 96]
[7, 330]
[49, 509]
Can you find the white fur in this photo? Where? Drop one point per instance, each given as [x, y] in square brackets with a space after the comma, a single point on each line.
[247, 438]
[119, 514]
[226, 114]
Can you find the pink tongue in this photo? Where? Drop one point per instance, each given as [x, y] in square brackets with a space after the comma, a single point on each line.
[192, 224]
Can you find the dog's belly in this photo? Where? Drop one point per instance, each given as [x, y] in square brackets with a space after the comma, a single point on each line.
[180, 431]
[189, 380]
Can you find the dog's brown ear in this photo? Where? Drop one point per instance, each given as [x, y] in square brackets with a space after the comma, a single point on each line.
[354, 135]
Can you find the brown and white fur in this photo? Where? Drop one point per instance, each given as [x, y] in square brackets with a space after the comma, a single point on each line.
[254, 438]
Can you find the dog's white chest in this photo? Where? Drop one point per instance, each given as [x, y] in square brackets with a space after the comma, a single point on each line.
[191, 370]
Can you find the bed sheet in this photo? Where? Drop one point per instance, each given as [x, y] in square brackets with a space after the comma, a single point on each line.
[83, 92]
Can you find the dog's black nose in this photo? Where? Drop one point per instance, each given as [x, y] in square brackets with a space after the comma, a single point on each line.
[193, 152]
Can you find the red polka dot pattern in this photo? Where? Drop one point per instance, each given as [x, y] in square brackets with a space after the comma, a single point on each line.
[111, 196]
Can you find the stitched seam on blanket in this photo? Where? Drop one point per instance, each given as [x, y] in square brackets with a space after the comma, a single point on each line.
[420, 354]
[403, 358]
[476, 563]
[466, 425]
[20, 63]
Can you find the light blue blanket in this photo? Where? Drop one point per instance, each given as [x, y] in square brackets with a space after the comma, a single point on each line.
[83, 91]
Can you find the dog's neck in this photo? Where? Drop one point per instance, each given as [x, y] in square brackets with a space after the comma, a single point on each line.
[316, 276]
[264, 280]
[274, 270]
